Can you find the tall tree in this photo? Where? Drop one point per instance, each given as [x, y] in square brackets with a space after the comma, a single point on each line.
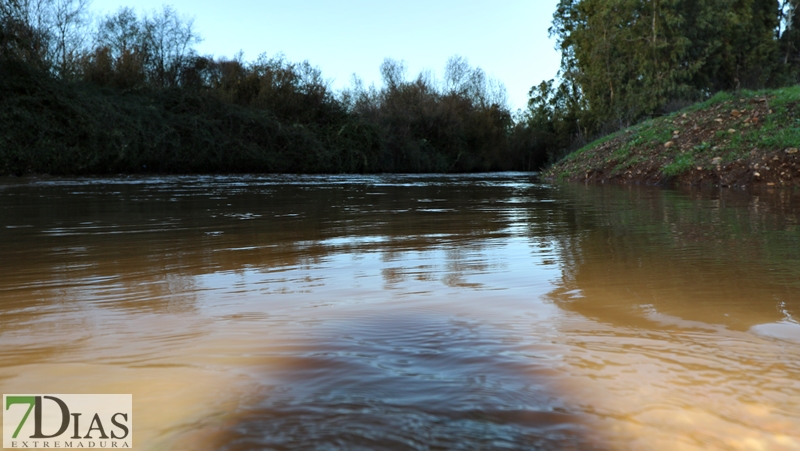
[790, 38]
[170, 44]
[631, 58]
[69, 28]
[48, 33]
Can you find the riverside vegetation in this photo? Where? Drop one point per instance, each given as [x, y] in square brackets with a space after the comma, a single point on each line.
[127, 93]
[666, 85]
[742, 139]
[130, 95]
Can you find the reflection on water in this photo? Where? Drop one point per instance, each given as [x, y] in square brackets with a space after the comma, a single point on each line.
[408, 312]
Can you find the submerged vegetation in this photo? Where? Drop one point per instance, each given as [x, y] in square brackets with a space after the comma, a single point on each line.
[128, 93]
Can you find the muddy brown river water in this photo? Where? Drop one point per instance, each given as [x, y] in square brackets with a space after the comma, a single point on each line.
[485, 311]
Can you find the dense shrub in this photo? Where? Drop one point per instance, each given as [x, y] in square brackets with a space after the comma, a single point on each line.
[136, 97]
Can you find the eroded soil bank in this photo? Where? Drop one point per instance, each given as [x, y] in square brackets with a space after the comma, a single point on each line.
[741, 139]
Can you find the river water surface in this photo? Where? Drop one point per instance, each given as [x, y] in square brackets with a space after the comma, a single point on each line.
[408, 312]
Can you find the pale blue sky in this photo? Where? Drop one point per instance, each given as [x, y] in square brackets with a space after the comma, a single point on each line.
[507, 38]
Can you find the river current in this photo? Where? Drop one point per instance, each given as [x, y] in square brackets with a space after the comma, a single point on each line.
[405, 312]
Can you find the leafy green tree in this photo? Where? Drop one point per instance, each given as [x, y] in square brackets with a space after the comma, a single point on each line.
[736, 42]
[790, 39]
[553, 118]
[631, 58]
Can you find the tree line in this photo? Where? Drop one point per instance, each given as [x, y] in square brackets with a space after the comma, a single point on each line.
[128, 92]
[627, 60]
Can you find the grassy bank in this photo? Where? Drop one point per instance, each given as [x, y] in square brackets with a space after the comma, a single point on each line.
[733, 139]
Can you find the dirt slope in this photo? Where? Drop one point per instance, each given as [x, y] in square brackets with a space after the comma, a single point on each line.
[743, 139]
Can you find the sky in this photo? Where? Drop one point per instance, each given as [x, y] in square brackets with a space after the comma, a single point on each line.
[508, 39]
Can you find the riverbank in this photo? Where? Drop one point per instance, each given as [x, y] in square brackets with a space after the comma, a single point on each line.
[246, 123]
[733, 139]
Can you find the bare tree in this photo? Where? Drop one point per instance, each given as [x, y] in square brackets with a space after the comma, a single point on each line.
[160, 43]
[70, 20]
[121, 33]
[50, 32]
[462, 79]
[456, 73]
[393, 73]
[169, 39]
[361, 99]
[24, 30]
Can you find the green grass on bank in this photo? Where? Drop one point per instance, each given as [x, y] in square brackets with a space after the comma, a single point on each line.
[726, 128]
